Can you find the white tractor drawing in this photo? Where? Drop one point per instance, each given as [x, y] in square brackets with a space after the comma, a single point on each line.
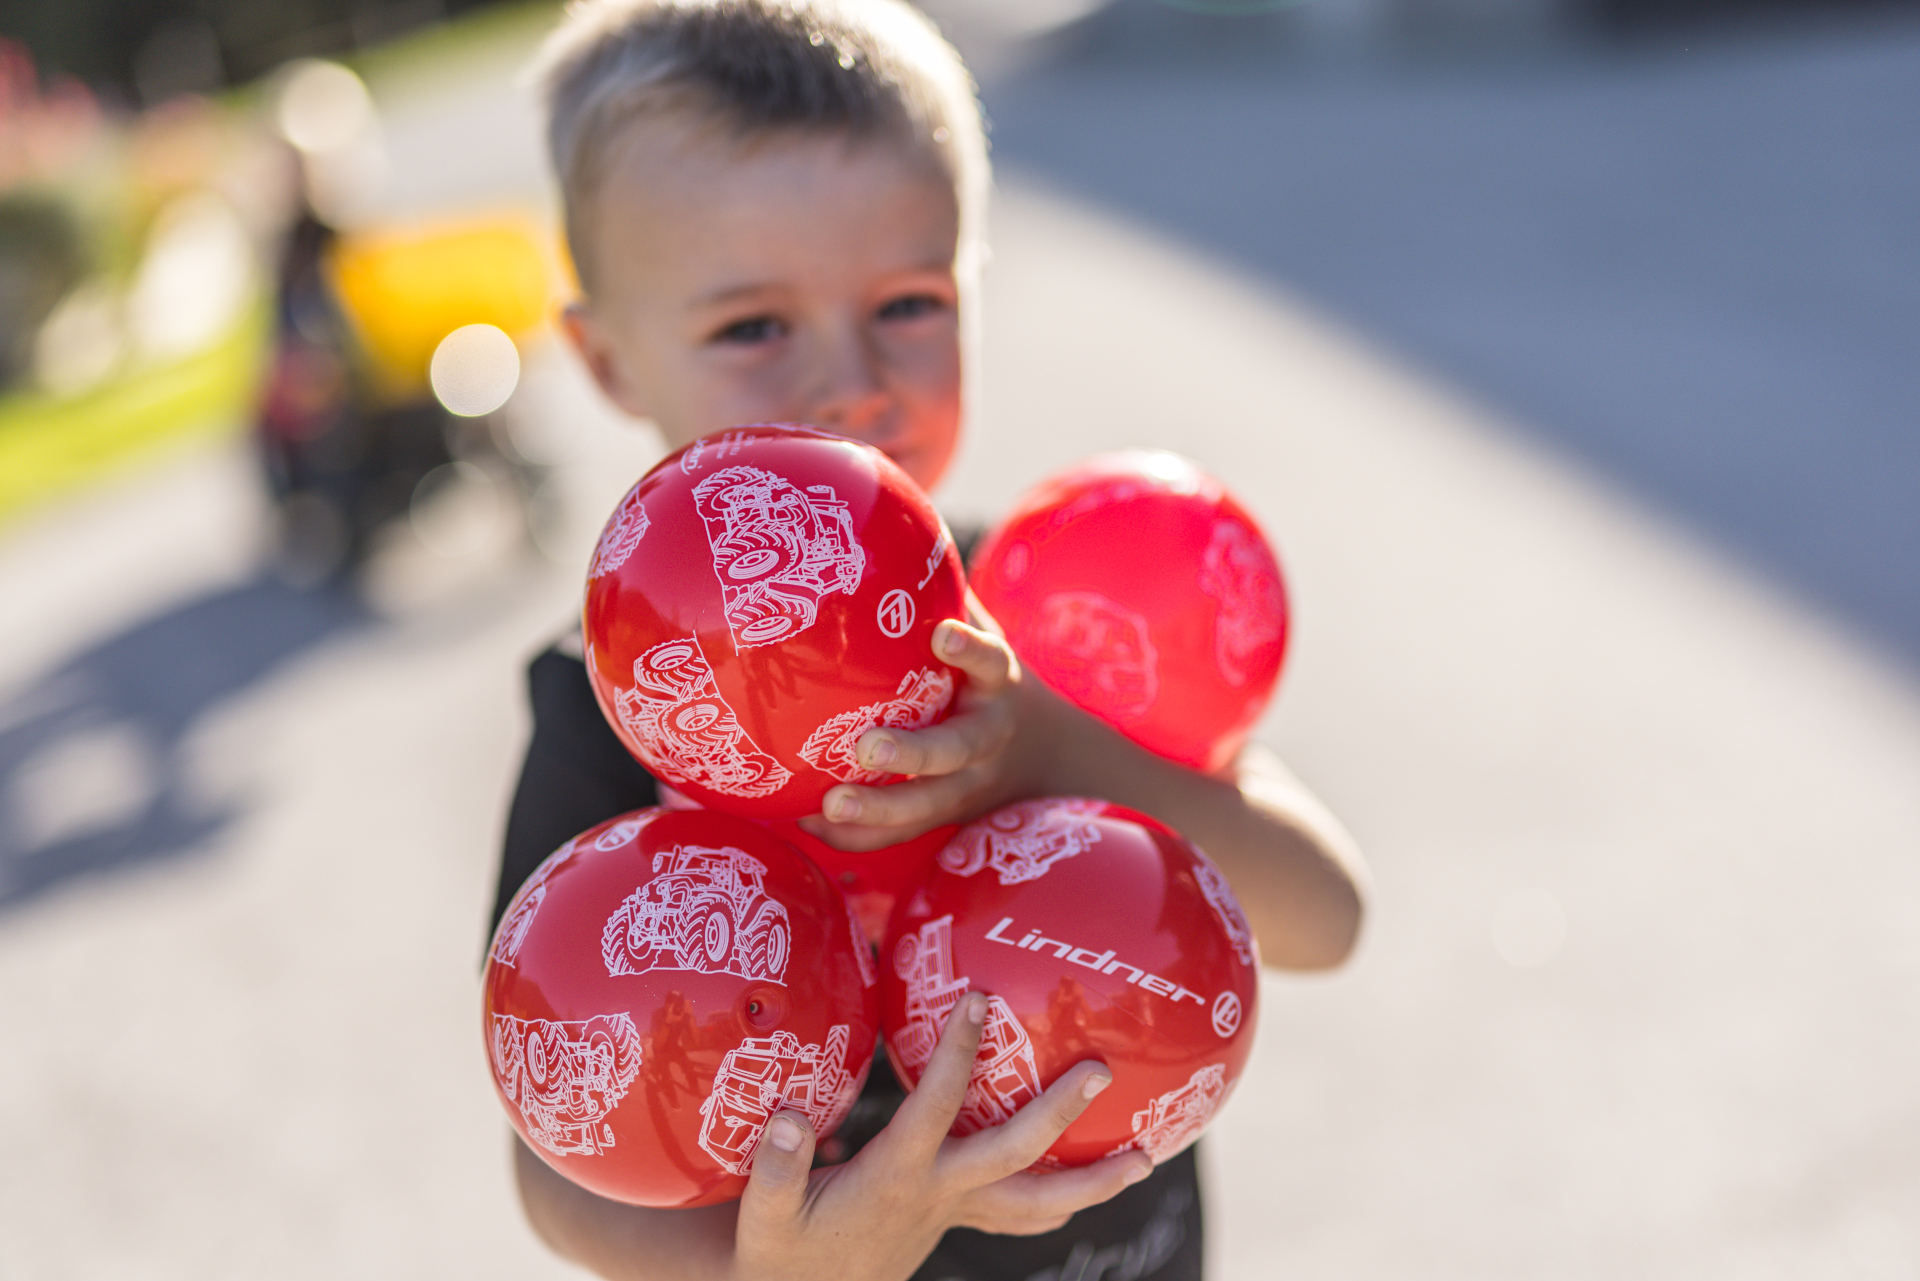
[622, 534]
[705, 909]
[1167, 1125]
[565, 1077]
[1238, 572]
[776, 550]
[922, 696]
[1020, 842]
[1005, 1077]
[764, 1074]
[1095, 651]
[685, 731]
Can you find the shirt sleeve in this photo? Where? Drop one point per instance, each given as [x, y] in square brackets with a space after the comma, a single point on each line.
[577, 773]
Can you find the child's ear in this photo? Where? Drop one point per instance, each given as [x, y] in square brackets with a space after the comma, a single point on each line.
[601, 355]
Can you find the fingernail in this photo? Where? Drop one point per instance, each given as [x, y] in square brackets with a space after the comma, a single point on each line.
[1135, 1174]
[1094, 1084]
[951, 641]
[976, 1010]
[785, 1135]
[843, 809]
[882, 754]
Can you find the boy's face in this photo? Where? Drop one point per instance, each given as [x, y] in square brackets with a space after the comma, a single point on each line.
[793, 278]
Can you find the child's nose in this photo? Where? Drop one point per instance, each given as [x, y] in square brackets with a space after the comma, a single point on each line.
[851, 398]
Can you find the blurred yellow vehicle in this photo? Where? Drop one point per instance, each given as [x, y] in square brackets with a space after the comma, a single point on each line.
[356, 411]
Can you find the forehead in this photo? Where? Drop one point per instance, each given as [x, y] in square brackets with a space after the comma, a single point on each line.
[685, 209]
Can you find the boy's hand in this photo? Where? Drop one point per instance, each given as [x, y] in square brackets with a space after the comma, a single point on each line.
[964, 766]
[879, 1215]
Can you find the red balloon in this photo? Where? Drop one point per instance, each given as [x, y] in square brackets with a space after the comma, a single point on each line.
[875, 880]
[1097, 933]
[659, 988]
[1135, 585]
[757, 602]
[872, 882]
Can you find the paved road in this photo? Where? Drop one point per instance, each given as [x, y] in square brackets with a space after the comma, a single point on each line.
[1693, 265]
[1637, 998]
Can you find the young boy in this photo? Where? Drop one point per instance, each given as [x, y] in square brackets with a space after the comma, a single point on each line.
[775, 209]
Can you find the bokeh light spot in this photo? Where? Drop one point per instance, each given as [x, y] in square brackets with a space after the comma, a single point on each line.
[475, 368]
[323, 106]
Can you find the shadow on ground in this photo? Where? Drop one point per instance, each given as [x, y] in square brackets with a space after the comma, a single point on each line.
[96, 768]
[1693, 265]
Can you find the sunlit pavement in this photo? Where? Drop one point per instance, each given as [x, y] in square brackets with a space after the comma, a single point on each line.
[1638, 996]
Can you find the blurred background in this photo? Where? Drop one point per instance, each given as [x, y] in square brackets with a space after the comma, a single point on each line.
[1569, 349]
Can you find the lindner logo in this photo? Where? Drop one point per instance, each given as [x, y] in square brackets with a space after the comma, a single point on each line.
[934, 557]
[896, 613]
[1226, 1014]
[1106, 962]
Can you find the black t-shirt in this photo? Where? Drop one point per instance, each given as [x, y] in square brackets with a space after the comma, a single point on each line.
[578, 774]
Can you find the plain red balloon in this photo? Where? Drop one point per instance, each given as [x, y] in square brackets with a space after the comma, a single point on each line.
[1135, 585]
[1096, 933]
[659, 988]
[758, 601]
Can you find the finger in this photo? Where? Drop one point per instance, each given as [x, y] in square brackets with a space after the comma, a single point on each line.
[856, 838]
[1038, 1199]
[953, 744]
[920, 1126]
[986, 658]
[1004, 1149]
[924, 802]
[777, 1183]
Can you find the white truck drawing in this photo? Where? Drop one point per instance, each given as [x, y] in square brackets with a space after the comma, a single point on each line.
[1005, 1077]
[776, 550]
[922, 696]
[1238, 573]
[565, 1077]
[1095, 651]
[1167, 1125]
[685, 731]
[622, 534]
[705, 909]
[1021, 842]
[1213, 884]
[514, 926]
[766, 1073]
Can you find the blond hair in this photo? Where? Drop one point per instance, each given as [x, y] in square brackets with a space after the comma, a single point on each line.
[862, 68]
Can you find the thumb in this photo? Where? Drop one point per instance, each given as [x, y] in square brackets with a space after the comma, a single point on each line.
[777, 1184]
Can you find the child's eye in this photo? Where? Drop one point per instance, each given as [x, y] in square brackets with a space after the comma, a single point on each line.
[912, 306]
[754, 329]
